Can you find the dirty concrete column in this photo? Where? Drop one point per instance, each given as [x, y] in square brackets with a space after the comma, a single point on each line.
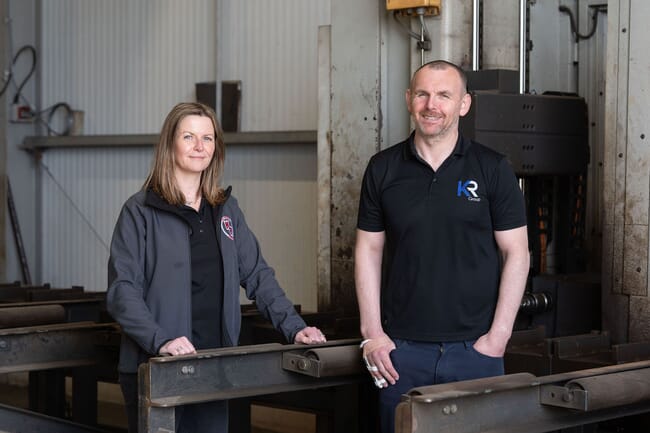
[324, 266]
[3, 155]
[626, 196]
[355, 124]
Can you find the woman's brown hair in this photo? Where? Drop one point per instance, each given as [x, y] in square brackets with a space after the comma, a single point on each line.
[161, 176]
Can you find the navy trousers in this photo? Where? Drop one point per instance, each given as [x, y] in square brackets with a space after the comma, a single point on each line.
[424, 363]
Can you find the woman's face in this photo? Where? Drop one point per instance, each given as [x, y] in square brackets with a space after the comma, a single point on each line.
[193, 145]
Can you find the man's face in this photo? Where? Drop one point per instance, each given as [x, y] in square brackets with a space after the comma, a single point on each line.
[436, 100]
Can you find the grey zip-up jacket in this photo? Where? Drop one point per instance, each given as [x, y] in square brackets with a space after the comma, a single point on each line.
[149, 281]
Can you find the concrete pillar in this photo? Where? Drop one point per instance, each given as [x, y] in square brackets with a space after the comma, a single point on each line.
[626, 195]
[3, 153]
[355, 128]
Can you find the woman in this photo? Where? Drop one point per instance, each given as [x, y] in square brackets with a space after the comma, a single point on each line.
[180, 251]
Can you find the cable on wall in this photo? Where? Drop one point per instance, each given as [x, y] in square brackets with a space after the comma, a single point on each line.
[10, 75]
[574, 25]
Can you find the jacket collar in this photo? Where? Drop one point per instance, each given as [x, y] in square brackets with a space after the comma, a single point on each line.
[154, 200]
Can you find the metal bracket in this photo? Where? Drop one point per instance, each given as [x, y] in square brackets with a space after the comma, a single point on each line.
[299, 363]
[324, 361]
[561, 396]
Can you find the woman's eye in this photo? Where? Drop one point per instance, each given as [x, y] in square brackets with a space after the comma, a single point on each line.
[187, 137]
[208, 139]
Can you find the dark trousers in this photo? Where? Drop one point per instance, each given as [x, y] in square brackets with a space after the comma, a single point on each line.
[423, 363]
[210, 417]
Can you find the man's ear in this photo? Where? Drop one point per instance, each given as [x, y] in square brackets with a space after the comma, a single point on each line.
[465, 104]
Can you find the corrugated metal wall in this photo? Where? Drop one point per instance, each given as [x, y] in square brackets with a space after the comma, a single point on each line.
[82, 192]
[276, 188]
[123, 62]
[271, 46]
[84, 189]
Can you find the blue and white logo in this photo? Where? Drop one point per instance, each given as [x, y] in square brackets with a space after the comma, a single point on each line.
[468, 188]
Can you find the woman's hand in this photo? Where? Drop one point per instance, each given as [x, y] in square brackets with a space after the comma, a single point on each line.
[310, 335]
[177, 346]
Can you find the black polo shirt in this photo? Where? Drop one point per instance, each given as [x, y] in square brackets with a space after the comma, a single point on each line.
[441, 263]
[207, 276]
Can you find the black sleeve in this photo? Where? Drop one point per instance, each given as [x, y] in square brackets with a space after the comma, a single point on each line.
[507, 206]
[370, 217]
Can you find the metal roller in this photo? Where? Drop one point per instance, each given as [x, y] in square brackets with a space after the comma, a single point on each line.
[17, 317]
[325, 361]
[600, 392]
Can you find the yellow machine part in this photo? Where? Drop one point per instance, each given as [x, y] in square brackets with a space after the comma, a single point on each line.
[407, 4]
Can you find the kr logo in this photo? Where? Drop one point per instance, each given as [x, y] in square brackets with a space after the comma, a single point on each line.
[468, 188]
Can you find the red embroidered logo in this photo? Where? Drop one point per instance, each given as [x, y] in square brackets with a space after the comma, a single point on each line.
[227, 228]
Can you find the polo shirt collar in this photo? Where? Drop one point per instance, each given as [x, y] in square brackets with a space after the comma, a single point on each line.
[462, 144]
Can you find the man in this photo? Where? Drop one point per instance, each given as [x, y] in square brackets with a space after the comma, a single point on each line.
[445, 219]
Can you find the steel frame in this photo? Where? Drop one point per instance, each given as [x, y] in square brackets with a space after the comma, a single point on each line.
[523, 402]
[49, 346]
[230, 373]
[19, 420]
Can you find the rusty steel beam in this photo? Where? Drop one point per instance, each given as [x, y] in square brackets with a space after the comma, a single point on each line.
[86, 308]
[523, 402]
[50, 346]
[238, 372]
[19, 420]
[18, 317]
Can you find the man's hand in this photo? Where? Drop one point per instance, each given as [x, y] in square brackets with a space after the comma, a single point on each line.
[310, 335]
[376, 355]
[490, 345]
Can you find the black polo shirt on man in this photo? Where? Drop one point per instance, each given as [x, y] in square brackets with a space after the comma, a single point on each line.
[441, 263]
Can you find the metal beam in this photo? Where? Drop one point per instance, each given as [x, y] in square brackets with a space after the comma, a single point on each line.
[18, 420]
[230, 373]
[50, 346]
[84, 309]
[523, 402]
[39, 143]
